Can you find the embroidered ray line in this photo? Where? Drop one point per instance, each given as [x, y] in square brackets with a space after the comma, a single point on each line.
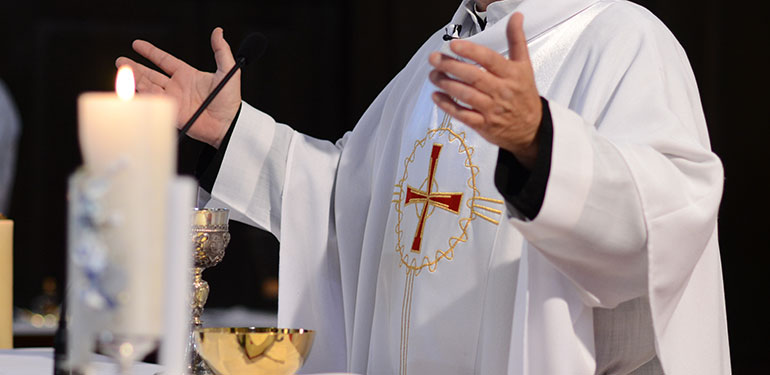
[489, 200]
[490, 209]
[487, 218]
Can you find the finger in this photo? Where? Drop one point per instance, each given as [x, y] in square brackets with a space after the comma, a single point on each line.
[517, 41]
[147, 87]
[144, 85]
[465, 115]
[461, 91]
[492, 61]
[470, 74]
[142, 72]
[159, 57]
[222, 53]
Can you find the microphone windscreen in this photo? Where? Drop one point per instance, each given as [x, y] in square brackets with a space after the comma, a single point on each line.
[252, 47]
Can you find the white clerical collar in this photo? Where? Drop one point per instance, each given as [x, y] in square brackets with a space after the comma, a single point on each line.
[539, 16]
[495, 11]
[480, 13]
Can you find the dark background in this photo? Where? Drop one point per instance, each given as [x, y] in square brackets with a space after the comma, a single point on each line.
[326, 62]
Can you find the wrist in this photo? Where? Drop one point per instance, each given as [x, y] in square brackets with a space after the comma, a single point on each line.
[217, 142]
[526, 154]
[226, 128]
[525, 147]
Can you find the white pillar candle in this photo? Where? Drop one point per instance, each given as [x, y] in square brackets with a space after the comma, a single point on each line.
[6, 283]
[136, 134]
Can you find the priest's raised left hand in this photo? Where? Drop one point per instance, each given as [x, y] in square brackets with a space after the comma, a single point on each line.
[190, 86]
[500, 101]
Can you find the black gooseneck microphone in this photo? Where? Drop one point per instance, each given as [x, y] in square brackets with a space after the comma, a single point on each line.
[452, 31]
[251, 49]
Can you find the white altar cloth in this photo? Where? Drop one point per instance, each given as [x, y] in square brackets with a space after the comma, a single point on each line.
[39, 361]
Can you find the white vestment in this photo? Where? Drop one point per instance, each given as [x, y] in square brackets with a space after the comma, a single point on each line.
[397, 247]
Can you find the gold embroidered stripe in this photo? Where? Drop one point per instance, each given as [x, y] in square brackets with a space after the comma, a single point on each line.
[490, 209]
[487, 218]
[489, 200]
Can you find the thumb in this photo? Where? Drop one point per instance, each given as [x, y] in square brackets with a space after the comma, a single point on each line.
[517, 41]
[222, 53]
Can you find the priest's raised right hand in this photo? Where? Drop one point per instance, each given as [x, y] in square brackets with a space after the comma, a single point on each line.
[190, 86]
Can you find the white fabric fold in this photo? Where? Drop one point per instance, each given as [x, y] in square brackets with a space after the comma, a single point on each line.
[254, 189]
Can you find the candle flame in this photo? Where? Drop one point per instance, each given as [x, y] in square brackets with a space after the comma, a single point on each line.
[124, 83]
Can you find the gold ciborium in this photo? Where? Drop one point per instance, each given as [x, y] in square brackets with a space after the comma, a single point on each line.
[246, 351]
[210, 237]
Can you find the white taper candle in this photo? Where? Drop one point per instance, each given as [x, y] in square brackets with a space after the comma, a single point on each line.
[178, 285]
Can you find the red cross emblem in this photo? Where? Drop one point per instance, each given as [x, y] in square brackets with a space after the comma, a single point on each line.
[445, 201]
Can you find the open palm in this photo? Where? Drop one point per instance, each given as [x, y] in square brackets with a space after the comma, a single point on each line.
[190, 86]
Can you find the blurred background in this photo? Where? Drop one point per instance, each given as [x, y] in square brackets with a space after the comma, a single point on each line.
[326, 61]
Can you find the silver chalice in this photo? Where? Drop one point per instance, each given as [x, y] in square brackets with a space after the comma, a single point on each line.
[210, 237]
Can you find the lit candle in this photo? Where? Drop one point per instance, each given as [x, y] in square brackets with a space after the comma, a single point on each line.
[132, 138]
[6, 283]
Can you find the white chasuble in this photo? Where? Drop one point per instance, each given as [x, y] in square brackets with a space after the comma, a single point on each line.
[397, 248]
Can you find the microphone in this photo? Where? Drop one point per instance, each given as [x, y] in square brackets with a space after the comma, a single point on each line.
[452, 31]
[251, 49]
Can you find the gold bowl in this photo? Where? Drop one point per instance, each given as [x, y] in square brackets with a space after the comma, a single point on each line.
[252, 351]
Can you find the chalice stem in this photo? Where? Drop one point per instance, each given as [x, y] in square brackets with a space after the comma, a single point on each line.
[200, 295]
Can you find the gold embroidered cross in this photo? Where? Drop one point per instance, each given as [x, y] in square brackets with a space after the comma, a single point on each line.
[445, 201]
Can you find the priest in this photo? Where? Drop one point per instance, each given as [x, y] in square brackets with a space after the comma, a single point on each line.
[533, 194]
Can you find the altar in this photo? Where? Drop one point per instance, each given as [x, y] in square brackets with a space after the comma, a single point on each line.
[39, 361]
